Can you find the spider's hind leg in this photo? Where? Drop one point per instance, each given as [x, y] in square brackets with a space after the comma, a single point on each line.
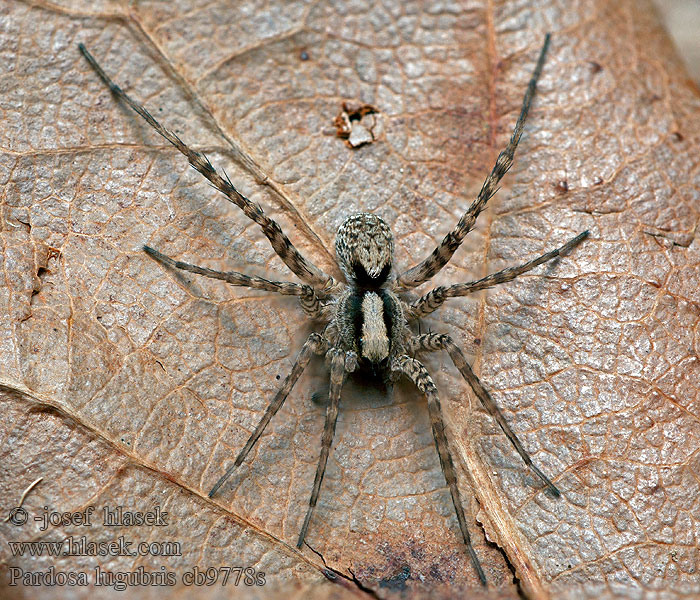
[341, 364]
[315, 344]
[419, 375]
[439, 341]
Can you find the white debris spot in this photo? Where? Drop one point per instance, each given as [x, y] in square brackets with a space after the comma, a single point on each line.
[355, 123]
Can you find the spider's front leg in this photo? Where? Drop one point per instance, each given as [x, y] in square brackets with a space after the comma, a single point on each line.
[439, 341]
[341, 363]
[418, 374]
[443, 253]
[281, 244]
[308, 298]
[434, 299]
[315, 344]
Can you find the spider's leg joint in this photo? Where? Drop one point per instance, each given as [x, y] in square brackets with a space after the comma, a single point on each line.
[350, 361]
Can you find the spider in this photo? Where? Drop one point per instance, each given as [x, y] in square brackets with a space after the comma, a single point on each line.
[365, 320]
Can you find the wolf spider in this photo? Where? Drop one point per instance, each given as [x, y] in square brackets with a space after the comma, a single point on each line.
[366, 322]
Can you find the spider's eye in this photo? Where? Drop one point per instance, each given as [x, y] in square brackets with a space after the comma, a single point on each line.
[365, 250]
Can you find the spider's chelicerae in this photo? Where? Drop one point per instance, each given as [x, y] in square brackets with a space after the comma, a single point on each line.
[365, 320]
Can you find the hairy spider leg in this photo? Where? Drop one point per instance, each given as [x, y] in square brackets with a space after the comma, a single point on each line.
[443, 253]
[315, 344]
[439, 341]
[418, 374]
[434, 299]
[340, 365]
[307, 295]
[281, 244]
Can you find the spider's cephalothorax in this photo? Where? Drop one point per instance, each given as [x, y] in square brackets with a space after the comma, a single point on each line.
[366, 322]
[365, 250]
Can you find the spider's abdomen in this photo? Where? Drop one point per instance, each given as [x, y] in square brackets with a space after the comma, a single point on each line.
[374, 336]
[365, 250]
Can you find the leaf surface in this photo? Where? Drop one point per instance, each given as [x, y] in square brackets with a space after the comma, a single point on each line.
[127, 384]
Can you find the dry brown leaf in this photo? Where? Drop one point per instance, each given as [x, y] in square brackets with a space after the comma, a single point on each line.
[124, 383]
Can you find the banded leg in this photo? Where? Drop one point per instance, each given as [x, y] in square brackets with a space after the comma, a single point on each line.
[443, 253]
[419, 375]
[315, 344]
[340, 365]
[440, 341]
[281, 244]
[307, 295]
[434, 298]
